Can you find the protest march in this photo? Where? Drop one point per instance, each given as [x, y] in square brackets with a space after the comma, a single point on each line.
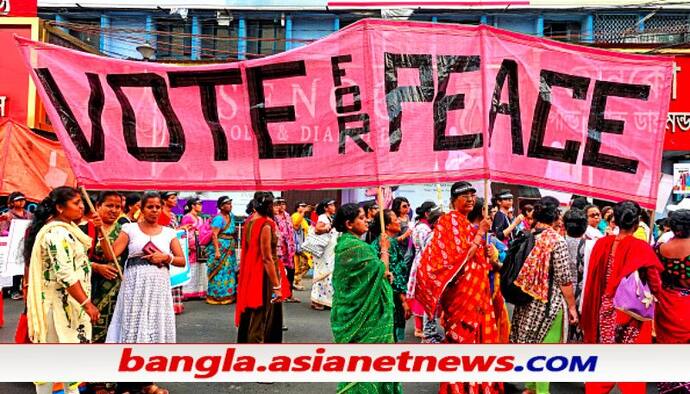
[546, 216]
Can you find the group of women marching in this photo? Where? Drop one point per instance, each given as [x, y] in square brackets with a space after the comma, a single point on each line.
[103, 276]
[615, 294]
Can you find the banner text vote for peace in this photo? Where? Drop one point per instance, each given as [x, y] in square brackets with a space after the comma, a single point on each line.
[379, 102]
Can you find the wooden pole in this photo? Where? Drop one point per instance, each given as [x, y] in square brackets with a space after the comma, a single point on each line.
[379, 197]
[105, 236]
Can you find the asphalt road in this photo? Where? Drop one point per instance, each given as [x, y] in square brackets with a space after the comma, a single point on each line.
[203, 323]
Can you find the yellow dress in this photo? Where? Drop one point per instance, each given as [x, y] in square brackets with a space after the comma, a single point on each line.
[59, 260]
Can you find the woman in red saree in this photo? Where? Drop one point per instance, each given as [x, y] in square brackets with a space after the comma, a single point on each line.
[260, 289]
[453, 274]
[672, 320]
[613, 258]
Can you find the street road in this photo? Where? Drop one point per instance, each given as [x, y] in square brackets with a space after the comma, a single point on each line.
[203, 323]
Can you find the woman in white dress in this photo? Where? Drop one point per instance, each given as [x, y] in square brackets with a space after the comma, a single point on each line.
[144, 310]
[322, 286]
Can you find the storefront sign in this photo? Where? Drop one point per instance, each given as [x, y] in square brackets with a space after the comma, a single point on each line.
[678, 121]
[17, 8]
[418, 103]
[17, 92]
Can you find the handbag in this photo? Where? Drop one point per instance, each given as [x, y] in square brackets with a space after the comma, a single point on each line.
[316, 243]
[634, 298]
[201, 252]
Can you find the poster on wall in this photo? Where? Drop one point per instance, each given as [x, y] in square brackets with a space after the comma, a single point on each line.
[15, 247]
[180, 276]
[681, 178]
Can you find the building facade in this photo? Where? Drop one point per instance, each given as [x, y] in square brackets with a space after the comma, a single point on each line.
[229, 30]
[214, 30]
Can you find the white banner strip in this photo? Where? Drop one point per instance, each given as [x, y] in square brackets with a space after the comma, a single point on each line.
[344, 363]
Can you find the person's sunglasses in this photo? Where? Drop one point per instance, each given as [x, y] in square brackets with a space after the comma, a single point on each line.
[594, 215]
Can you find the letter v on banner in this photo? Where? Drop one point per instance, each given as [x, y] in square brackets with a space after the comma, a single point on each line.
[410, 103]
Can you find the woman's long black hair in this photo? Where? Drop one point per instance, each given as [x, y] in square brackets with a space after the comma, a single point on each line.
[375, 228]
[46, 210]
[397, 202]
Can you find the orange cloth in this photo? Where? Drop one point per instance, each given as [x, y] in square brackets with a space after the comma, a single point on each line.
[31, 163]
[461, 288]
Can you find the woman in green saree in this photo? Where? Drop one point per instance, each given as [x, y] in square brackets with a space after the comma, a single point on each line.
[363, 307]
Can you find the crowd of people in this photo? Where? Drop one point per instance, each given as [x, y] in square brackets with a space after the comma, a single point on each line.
[586, 275]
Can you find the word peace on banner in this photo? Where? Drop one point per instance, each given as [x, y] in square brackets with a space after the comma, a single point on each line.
[380, 102]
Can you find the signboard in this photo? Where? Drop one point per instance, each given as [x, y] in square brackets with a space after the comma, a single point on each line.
[678, 122]
[14, 254]
[180, 276]
[17, 8]
[418, 103]
[681, 178]
[17, 92]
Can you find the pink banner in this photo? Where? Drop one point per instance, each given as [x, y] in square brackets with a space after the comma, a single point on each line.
[379, 102]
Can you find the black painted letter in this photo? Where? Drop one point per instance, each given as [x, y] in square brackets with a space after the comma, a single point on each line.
[396, 95]
[598, 124]
[90, 152]
[176, 146]
[443, 103]
[207, 82]
[261, 115]
[509, 69]
[536, 148]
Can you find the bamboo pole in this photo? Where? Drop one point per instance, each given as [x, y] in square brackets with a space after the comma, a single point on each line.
[379, 197]
[105, 236]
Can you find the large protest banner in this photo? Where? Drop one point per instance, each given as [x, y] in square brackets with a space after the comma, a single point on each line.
[379, 102]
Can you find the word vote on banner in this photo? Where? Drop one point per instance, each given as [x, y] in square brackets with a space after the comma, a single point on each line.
[379, 102]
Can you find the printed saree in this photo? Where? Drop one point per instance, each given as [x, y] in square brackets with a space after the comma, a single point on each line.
[222, 271]
[104, 291]
[362, 304]
[461, 287]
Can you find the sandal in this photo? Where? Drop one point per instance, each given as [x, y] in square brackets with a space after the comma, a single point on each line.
[317, 307]
[154, 389]
[293, 300]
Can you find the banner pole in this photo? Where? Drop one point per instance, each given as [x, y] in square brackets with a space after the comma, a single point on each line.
[105, 236]
[652, 219]
[379, 197]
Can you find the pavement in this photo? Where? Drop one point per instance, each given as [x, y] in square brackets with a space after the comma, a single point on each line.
[203, 323]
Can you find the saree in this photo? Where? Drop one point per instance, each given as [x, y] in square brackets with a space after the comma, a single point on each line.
[446, 277]
[222, 271]
[196, 288]
[104, 291]
[257, 319]
[603, 278]
[612, 260]
[672, 318]
[362, 304]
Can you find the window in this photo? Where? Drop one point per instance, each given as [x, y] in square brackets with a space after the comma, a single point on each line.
[174, 40]
[666, 29]
[461, 21]
[615, 28]
[264, 37]
[86, 30]
[568, 31]
[218, 42]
